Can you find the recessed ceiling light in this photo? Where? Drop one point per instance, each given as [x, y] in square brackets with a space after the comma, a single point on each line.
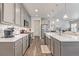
[75, 24]
[36, 10]
[48, 15]
[53, 22]
[57, 20]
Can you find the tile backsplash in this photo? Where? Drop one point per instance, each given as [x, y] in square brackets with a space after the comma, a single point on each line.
[16, 29]
[2, 27]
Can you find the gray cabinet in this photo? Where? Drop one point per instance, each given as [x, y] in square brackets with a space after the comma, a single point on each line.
[62, 47]
[18, 48]
[14, 13]
[25, 44]
[59, 48]
[22, 16]
[48, 42]
[70, 48]
[11, 48]
[17, 14]
[0, 11]
[56, 48]
[52, 45]
[8, 13]
[7, 49]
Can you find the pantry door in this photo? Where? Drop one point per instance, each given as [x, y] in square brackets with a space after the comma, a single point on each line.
[37, 28]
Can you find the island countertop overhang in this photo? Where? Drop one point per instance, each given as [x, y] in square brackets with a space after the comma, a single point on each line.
[62, 37]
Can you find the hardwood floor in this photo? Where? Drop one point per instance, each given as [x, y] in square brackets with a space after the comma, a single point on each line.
[35, 48]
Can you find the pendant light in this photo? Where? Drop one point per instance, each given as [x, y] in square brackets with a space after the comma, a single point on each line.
[65, 15]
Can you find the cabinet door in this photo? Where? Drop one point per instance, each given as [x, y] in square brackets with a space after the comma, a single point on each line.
[17, 14]
[28, 41]
[52, 45]
[8, 13]
[22, 18]
[6, 49]
[24, 44]
[0, 11]
[18, 48]
[49, 43]
[56, 48]
[46, 40]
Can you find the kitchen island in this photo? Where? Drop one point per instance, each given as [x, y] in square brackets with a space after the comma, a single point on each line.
[15, 46]
[62, 45]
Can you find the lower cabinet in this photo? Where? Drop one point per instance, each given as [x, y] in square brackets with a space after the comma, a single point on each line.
[49, 43]
[44, 38]
[25, 44]
[7, 49]
[56, 48]
[52, 45]
[63, 48]
[18, 48]
[11, 48]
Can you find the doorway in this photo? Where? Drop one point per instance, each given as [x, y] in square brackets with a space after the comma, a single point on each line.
[36, 26]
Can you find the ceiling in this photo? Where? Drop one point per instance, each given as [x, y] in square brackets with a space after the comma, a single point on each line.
[44, 9]
[55, 10]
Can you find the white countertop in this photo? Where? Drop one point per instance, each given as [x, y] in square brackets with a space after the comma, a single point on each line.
[63, 37]
[13, 39]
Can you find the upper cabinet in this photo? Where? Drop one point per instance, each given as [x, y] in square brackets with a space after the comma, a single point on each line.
[17, 14]
[8, 13]
[14, 13]
[22, 16]
[0, 12]
[25, 18]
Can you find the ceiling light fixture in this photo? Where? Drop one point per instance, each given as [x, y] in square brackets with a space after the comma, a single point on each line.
[75, 24]
[36, 10]
[48, 15]
[53, 22]
[65, 15]
[57, 20]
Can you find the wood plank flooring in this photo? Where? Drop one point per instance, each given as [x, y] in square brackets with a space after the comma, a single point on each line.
[35, 48]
